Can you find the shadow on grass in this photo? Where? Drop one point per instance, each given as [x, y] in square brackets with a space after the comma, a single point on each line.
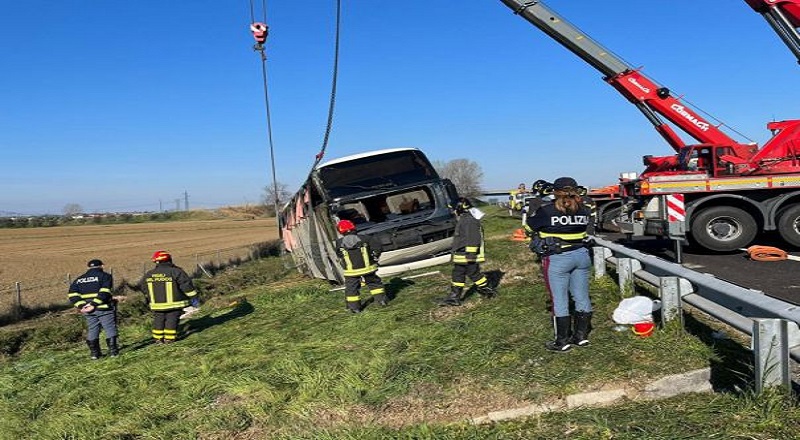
[494, 277]
[242, 308]
[733, 369]
[395, 285]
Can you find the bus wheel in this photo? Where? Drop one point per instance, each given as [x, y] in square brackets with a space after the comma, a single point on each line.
[723, 228]
[789, 225]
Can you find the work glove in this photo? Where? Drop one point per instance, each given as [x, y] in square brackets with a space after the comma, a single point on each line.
[194, 302]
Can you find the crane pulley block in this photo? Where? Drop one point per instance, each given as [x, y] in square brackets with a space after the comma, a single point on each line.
[260, 32]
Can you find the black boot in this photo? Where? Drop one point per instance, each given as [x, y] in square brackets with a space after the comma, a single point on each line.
[113, 350]
[454, 299]
[583, 325]
[486, 291]
[562, 341]
[94, 348]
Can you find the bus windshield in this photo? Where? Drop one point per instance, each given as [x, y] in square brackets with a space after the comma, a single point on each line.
[376, 172]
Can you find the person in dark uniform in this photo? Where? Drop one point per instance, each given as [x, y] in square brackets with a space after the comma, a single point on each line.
[561, 230]
[359, 257]
[467, 250]
[168, 289]
[91, 294]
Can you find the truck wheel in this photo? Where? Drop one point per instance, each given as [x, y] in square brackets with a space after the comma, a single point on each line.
[789, 225]
[723, 228]
[607, 217]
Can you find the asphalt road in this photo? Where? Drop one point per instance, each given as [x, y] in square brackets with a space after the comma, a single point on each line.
[780, 279]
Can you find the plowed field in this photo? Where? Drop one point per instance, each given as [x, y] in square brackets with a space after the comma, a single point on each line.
[41, 258]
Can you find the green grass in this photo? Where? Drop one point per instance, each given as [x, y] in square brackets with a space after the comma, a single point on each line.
[274, 355]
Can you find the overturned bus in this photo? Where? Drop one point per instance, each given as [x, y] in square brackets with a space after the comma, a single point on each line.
[395, 195]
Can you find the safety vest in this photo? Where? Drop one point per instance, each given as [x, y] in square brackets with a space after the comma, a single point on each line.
[356, 255]
[168, 287]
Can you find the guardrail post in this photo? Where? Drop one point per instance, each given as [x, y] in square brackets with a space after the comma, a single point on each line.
[771, 350]
[600, 254]
[626, 268]
[670, 290]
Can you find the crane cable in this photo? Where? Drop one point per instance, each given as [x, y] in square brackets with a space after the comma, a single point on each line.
[260, 32]
[332, 104]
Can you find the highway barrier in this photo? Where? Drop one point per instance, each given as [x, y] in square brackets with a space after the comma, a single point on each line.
[771, 323]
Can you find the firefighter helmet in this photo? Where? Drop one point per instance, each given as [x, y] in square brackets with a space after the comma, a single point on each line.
[539, 185]
[463, 205]
[345, 226]
[161, 256]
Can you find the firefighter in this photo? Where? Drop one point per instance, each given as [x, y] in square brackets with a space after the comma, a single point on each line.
[359, 257]
[467, 253]
[91, 294]
[561, 231]
[168, 290]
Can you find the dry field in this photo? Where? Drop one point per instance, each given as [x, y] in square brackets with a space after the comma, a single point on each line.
[41, 258]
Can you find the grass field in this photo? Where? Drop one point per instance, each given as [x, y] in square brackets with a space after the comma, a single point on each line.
[275, 355]
[41, 258]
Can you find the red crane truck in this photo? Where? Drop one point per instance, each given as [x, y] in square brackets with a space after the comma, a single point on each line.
[718, 193]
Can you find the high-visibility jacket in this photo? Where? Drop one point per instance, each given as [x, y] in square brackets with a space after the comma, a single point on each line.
[468, 240]
[359, 255]
[168, 287]
[93, 287]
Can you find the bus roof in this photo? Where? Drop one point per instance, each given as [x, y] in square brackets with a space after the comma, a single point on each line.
[365, 154]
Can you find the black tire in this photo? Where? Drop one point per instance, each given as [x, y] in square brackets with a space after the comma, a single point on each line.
[723, 228]
[607, 217]
[789, 225]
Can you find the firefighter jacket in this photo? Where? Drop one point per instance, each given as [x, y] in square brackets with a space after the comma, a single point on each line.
[359, 254]
[468, 240]
[168, 287]
[94, 287]
[560, 232]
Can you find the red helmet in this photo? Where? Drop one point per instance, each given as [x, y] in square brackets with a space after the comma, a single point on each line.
[161, 256]
[345, 226]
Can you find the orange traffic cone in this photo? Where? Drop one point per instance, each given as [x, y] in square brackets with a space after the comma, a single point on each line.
[519, 235]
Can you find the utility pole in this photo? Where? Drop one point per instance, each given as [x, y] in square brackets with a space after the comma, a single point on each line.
[160, 206]
[186, 200]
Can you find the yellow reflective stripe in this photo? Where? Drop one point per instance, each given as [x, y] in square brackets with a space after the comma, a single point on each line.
[376, 291]
[575, 236]
[359, 272]
[365, 255]
[352, 298]
[472, 249]
[105, 289]
[158, 333]
[150, 292]
[190, 294]
[481, 281]
[168, 306]
[73, 295]
[458, 284]
[348, 265]
[170, 293]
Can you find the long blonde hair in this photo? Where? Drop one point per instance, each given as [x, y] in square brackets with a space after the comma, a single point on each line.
[568, 201]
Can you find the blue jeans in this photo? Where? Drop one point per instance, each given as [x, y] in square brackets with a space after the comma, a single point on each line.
[101, 318]
[567, 274]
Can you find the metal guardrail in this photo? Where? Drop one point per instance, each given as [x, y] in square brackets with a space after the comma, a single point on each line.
[771, 323]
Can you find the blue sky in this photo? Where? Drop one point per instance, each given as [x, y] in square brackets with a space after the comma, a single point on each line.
[122, 105]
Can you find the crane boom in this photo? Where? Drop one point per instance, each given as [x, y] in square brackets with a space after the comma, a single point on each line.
[783, 16]
[719, 154]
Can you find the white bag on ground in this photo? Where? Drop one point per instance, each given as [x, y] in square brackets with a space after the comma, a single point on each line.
[635, 309]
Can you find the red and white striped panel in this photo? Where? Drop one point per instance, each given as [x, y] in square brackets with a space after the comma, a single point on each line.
[676, 211]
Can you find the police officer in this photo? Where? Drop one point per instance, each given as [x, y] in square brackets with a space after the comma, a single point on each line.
[168, 290]
[467, 250]
[359, 257]
[561, 231]
[91, 294]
